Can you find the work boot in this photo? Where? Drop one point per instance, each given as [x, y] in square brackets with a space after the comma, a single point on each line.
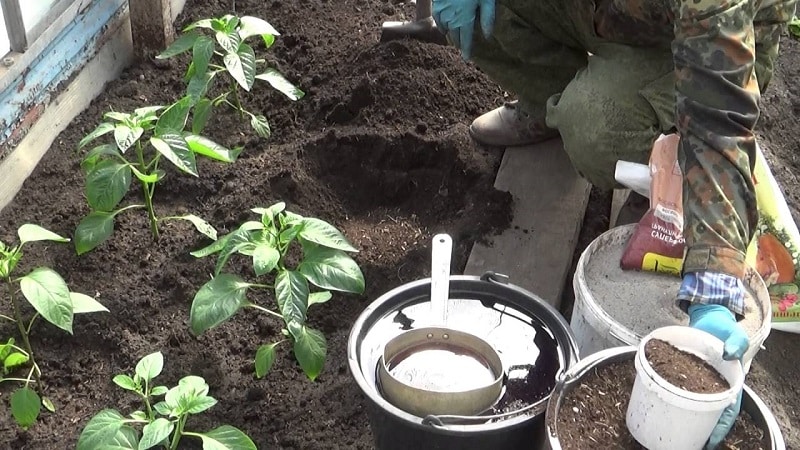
[510, 126]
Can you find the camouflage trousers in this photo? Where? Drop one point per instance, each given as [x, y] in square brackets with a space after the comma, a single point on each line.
[607, 107]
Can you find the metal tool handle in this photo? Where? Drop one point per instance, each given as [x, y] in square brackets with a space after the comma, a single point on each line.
[424, 10]
[441, 253]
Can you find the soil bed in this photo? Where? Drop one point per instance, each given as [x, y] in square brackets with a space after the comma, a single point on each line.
[592, 415]
[684, 370]
[378, 147]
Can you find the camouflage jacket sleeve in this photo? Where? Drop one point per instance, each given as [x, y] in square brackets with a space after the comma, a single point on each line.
[717, 97]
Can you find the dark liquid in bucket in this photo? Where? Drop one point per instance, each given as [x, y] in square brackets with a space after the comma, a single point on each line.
[441, 368]
[530, 353]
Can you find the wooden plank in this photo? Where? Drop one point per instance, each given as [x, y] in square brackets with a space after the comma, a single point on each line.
[107, 65]
[12, 14]
[617, 200]
[151, 24]
[549, 203]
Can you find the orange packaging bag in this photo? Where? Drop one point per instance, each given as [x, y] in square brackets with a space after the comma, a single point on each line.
[657, 243]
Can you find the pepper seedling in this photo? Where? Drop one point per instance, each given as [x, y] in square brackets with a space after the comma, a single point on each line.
[234, 57]
[110, 167]
[322, 262]
[50, 297]
[163, 424]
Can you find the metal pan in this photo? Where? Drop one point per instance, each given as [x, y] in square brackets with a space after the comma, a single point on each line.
[435, 370]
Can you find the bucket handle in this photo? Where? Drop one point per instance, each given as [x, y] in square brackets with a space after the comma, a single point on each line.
[442, 421]
[494, 277]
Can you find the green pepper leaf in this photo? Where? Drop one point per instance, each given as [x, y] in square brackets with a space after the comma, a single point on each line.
[15, 359]
[181, 45]
[331, 269]
[201, 225]
[242, 66]
[25, 406]
[229, 41]
[310, 349]
[226, 437]
[176, 150]
[107, 184]
[150, 366]
[200, 115]
[207, 147]
[260, 125]
[30, 233]
[48, 293]
[93, 230]
[265, 358]
[155, 432]
[127, 383]
[174, 118]
[265, 258]
[322, 233]
[126, 136]
[318, 297]
[202, 52]
[83, 304]
[280, 83]
[291, 293]
[102, 129]
[217, 301]
[101, 430]
[253, 26]
[94, 155]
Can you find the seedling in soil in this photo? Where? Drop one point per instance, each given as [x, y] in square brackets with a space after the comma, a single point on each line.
[794, 27]
[109, 167]
[163, 424]
[219, 45]
[321, 260]
[48, 294]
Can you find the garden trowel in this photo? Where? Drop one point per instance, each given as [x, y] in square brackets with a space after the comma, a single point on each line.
[422, 27]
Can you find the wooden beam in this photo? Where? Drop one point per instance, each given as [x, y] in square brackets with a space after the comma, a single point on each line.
[12, 14]
[151, 25]
[549, 203]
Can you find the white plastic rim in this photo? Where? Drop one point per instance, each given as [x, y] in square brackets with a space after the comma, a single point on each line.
[662, 416]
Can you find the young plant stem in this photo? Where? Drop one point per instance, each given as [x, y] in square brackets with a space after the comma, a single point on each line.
[146, 397]
[22, 331]
[261, 308]
[238, 101]
[176, 436]
[147, 189]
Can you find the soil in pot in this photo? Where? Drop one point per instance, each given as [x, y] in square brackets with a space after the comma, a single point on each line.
[684, 370]
[593, 415]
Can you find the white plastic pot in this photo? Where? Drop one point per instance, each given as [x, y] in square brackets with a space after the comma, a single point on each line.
[662, 416]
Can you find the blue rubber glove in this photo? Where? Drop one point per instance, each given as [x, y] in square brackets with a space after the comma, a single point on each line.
[457, 19]
[720, 321]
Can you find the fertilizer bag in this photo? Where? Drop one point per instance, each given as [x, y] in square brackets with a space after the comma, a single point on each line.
[657, 242]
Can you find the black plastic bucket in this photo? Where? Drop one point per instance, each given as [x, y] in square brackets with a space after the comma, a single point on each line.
[519, 324]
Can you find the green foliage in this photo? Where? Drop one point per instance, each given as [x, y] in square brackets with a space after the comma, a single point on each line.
[794, 27]
[323, 262]
[50, 297]
[110, 168]
[162, 423]
[219, 45]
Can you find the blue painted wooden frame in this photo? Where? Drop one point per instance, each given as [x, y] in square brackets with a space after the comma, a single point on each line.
[23, 101]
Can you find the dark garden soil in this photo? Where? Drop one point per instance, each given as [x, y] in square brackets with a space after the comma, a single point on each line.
[683, 369]
[592, 415]
[378, 147]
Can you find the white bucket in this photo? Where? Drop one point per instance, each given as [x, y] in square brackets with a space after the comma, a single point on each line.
[662, 416]
[615, 307]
